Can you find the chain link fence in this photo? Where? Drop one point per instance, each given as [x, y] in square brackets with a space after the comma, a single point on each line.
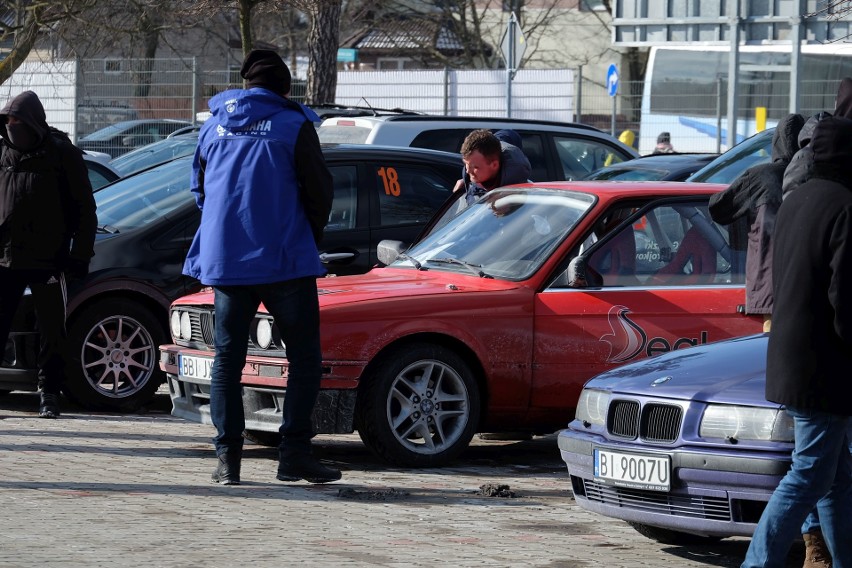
[86, 95]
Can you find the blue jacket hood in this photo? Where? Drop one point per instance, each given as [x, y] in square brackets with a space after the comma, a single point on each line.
[239, 108]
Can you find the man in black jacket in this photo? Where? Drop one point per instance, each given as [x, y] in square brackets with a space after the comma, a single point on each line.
[47, 230]
[810, 352]
[756, 195]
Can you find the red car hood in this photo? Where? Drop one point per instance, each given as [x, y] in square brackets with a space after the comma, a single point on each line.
[381, 283]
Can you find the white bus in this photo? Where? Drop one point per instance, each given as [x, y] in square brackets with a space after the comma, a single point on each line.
[685, 91]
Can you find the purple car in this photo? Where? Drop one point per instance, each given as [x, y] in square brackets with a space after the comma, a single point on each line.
[682, 446]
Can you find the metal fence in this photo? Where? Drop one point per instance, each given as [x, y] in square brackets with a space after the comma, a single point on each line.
[81, 96]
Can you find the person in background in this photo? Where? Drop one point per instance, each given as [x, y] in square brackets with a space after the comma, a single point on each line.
[628, 138]
[491, 161]
[756, 195]
[809, 353]
[265, 193]
[47, 231]
[799, 169]
[664, 144]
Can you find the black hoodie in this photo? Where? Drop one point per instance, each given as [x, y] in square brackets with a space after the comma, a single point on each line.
[799, 170]
[47, 211]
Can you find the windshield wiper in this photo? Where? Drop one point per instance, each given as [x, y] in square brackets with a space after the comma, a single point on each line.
[108, 229]
[475, 268]
[412, 260]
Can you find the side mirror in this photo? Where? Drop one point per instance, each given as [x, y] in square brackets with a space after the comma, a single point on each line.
[581, 275]
[388, 250]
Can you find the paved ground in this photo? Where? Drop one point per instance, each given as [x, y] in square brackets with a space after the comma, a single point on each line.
[120, 491]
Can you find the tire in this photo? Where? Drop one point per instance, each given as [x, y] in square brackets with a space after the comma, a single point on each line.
[420, 406]
[107, 375]
[668, 536]
[263, 438]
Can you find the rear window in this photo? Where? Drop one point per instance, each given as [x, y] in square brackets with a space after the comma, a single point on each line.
[336, 134]
[446, 140]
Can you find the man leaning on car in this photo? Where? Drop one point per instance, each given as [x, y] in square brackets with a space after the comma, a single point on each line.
[810, 353]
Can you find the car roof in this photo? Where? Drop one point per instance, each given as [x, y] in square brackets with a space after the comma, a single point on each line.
[462, 121]
[378, 149]
[615, 189]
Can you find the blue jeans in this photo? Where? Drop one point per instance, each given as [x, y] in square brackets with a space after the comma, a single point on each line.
[811, 524]
[821, 476]
[295, 308]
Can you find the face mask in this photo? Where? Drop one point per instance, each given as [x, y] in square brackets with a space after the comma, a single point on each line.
[22, 136]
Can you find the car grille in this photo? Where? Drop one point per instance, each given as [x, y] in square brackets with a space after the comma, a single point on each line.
[653, 422]
[202, 327]
[696, 506]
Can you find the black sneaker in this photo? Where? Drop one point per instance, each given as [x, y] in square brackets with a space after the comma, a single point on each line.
[49, 405]
[228, 469]
[305, 466]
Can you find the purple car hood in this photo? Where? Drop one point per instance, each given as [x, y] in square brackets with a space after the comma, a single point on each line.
[732, 372]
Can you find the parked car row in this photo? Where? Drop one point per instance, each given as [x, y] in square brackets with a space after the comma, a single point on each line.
[118, 314]
[496, 319]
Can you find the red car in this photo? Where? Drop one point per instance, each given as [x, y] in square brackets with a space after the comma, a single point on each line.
[494, 320]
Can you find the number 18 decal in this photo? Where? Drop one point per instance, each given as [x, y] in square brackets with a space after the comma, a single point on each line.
[390, 179]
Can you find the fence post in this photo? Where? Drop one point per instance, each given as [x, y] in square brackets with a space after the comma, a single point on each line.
[579, 111]
[446, 90]
[194, 89]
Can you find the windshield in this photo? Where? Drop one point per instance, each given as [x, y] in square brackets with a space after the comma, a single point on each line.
[728, 167]
[508, 233]
[155, 153]
[146, 197]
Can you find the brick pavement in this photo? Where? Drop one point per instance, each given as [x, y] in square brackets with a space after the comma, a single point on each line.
[100, 490]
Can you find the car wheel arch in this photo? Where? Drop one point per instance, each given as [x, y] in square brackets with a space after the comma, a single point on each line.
[462, 349]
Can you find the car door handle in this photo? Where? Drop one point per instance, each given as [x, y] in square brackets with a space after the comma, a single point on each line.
[330, 256]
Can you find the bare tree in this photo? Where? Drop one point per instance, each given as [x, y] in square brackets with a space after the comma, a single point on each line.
[323, 41]
[29, 18]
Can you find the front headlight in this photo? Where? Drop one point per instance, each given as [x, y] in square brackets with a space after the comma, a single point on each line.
[174, 324]
[591, 408]
[746, 423]
[264, 333]
[185, 326]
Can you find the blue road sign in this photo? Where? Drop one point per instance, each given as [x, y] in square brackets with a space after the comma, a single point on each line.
[612, 80]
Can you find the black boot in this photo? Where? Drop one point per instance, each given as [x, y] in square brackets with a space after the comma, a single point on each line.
[48, 405]
[228, 469]
[305, 466]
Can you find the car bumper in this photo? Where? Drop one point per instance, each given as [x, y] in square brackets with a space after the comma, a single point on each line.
[712, 494]
[264, 390]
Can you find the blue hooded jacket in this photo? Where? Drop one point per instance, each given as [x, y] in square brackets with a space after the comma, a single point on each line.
[254, 226]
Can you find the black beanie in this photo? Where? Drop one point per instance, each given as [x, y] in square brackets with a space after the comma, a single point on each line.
[265, 68]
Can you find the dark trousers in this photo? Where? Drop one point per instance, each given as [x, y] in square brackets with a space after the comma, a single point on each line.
[50, 296]
[295, 308]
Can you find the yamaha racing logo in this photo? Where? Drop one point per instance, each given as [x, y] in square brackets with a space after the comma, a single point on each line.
[628, 340]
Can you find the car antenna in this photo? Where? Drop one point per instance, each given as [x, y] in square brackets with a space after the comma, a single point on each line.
[369, 106]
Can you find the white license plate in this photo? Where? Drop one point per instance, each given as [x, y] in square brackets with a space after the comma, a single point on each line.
[195, 367]
[633, 470]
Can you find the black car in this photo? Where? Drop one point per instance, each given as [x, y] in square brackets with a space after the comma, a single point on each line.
[117, 315]
[654, 167]
[122, 137]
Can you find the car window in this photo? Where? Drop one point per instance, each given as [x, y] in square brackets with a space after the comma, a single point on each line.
[409, 194]
[343, 134]
[533, 148]
[143, 198]
[97, 176]
[444, 139]
[730, 165]
[579, 157]
[674, 244]
[345, 205]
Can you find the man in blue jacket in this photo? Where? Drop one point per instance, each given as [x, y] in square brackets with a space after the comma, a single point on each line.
[265, 193]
